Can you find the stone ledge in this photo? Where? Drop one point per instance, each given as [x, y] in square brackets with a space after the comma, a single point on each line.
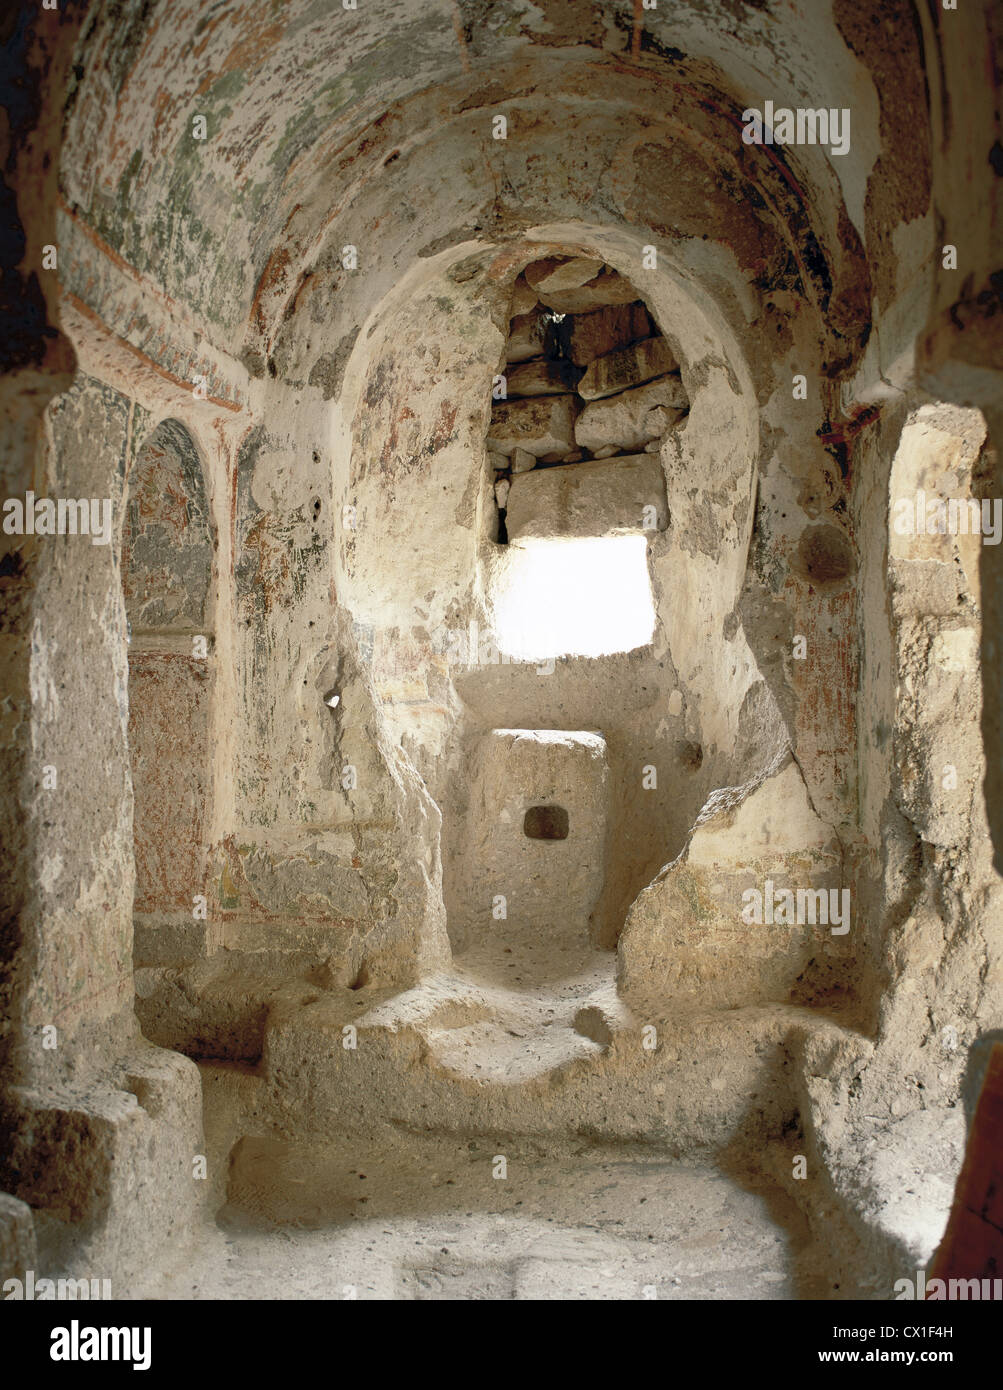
[589, 499]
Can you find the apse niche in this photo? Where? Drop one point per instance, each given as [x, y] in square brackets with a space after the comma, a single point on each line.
[543, 822]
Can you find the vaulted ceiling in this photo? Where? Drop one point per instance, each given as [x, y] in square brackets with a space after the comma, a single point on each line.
[373, 126]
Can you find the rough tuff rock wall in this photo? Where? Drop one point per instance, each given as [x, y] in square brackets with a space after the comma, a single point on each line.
[102, 1119]
[97, 1128]
[938, 961]
[685, 940]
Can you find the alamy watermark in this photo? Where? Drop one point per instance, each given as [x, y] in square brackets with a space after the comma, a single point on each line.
[472, 648]
[803, 126]
[76, 1343]
[63, 516]
[949, 516]
[800, 907]
[951, 1290]
[31, 1289]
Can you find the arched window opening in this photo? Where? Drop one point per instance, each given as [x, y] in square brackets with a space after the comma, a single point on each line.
[587, 394]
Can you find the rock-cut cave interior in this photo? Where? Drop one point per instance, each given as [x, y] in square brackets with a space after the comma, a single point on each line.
[502, 635]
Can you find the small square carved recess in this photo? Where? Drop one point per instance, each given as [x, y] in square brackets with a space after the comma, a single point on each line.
[546, 823]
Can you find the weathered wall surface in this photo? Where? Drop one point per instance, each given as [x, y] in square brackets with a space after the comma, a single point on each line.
[167, 576]
[167, 541]
[83, 866]
[695, 936]
[168, 692]
[549, 875]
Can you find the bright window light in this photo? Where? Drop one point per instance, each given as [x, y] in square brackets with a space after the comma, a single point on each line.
[573, 598]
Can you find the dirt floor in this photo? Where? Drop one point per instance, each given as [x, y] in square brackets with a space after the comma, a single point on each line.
[423, 1217]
